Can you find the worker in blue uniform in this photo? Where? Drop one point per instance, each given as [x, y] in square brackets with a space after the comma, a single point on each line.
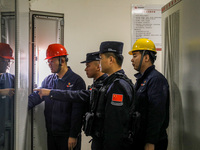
[6, 97]
[152, 94]
[108, 120]
[63, 119]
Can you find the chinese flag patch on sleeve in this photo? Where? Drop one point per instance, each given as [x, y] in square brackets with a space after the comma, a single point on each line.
[117, 97]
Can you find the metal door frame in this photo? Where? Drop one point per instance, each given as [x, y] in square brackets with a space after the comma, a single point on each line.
[33, 16]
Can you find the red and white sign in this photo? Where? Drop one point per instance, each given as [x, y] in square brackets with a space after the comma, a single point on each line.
[146, 23]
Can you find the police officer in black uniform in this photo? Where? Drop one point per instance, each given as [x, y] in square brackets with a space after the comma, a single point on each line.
[152, 94]
[93, 69]
[111, 122]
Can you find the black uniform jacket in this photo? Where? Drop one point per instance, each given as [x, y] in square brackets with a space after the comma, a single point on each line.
[152, 94]
[118, 100]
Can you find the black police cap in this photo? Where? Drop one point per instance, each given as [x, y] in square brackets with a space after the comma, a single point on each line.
[94, 56]
[111, 46]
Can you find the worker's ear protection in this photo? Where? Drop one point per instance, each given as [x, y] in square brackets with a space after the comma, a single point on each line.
[60, 62]
[60, 59]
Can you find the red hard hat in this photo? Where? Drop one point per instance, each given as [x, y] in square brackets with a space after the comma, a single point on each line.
[55, 50]
[6, 51]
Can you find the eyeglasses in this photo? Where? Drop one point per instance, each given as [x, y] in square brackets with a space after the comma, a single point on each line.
[51, 60]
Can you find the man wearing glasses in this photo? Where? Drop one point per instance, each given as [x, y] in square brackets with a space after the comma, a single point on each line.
[6, 96]
[63, 120]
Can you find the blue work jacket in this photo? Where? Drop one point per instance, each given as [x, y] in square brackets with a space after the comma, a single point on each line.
[7, 81]
[6, 106]
[152, 94]
[62, 118]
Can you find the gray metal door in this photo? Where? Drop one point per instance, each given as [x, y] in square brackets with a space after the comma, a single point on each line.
[47, 28]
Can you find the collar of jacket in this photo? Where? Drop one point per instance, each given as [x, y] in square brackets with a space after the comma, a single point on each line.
[114, 75]
[147, 71]
[117, 73]
[67, 74]
[101, 78]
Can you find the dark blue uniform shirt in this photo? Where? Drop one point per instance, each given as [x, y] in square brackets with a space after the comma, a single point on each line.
[152, 93]
[7, 81]
[6, 107]
[62, 118]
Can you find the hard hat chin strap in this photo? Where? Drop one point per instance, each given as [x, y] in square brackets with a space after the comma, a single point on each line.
[60, 62]
[59, 68]
[141, 60]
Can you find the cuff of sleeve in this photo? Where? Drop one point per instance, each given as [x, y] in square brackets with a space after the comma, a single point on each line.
[151, 141]
[74, 135]
[51, 95]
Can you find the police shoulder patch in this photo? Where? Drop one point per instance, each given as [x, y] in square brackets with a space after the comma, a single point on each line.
[117, 99]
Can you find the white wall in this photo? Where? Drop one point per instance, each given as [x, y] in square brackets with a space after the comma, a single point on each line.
[89, 22]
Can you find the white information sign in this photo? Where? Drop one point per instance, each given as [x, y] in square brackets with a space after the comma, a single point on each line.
[146, 23]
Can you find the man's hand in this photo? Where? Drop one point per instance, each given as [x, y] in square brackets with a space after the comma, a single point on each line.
[43, 92]
[149, 146]
[7, 92]
[72, 143]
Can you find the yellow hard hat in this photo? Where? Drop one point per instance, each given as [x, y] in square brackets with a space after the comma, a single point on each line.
[143, 44]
